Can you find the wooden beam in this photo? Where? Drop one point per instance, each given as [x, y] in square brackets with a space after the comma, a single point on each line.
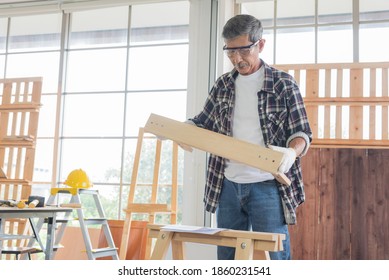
[253, 155]
[147, 208]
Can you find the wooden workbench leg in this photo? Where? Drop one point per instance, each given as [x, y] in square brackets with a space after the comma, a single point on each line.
[261, 255]
[178, 250]
[244, 249]
[162, 245]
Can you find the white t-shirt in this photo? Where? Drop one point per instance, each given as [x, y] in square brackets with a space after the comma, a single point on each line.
[246, 127]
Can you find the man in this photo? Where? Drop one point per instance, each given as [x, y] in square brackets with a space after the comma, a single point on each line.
[262, 105]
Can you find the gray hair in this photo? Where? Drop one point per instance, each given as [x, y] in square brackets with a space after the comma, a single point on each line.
[242, 25]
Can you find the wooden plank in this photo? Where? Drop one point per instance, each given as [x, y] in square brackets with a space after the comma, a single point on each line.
[382, 196]
[327, 108]
[317, 66]
[339, 94]
[356, 112]
[372, 109]
[385, 114]
[357, 101]
[343, 159]
[157, 164]
[312, 92]
[326, 240]
[297, 76]
[2, 174]
[218, 144]
[350, 143]
[377, 202]
[174, 192]
[303, 234]
[244, 249]
[162, 245]
[359, 206]
[147, 208]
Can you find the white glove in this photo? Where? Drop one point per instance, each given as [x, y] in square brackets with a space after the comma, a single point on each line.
[288, 158]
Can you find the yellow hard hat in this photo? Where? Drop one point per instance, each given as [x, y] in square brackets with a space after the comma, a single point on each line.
[78, 179]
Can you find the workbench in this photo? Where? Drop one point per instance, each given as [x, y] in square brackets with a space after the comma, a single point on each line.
[49, 213]
[248, 244]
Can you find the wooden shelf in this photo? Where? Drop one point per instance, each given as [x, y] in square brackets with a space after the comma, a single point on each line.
[350, 143]
[21, 107]
[20, 104]
[14, 181]
[17, 141]
[351, 101]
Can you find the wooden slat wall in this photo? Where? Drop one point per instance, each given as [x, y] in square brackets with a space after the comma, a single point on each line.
[346, 212]
[340, 98]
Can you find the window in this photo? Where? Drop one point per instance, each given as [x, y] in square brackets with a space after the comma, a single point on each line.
[305, 33]
[115, 72]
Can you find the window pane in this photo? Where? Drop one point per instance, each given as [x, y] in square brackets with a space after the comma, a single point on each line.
[145, 173]
[372, 47]
[3, 33]
[95, 156]
[2, 64]
[295, 12]
[160, 22]
[158, 67]
[109, 198]
[263, 10]
[268, 52]
[44, 65]
[342, 51]
[43, 167]
[93, 115]
[97, 70]
[101, 27]
[141, 105]
[35, 32]
[374, 10]
[47, 116]
[129, 155]
[331, 11]
[295, 45]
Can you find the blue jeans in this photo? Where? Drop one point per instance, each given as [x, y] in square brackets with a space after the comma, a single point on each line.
[255, 206]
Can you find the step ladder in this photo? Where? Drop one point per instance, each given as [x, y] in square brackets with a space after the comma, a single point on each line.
[76, 203]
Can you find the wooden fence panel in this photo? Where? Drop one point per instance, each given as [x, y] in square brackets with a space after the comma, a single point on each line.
[342, 200]
[347, 104]
[346, 212]
[303, 234]
[359, 206]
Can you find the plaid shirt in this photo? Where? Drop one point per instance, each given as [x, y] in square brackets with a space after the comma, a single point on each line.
[282, 116]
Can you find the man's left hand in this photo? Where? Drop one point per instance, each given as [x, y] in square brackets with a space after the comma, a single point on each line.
[289, 157]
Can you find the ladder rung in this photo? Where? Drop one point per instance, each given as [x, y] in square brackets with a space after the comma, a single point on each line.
[88, 191]
[58, 246]
[105, 249]
[59, 220]
[104, 252]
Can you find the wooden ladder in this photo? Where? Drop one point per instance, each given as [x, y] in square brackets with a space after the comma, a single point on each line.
[152, 207]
